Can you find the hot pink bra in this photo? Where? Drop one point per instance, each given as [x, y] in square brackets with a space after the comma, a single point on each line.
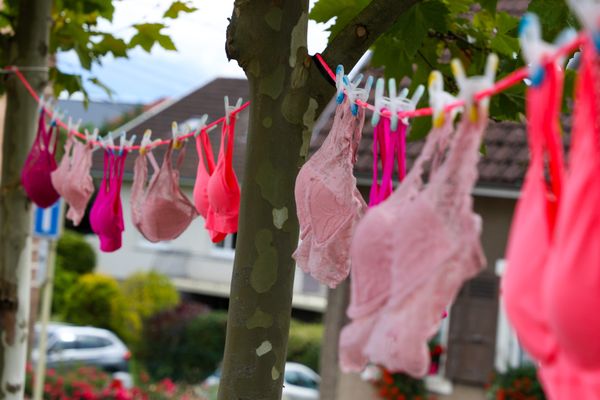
[206, 167]
[572, 284]
[72, 179]
[161, 212]
[532, 229]
[106, 216]
[35, 175]
[328, 202]
[222, 188]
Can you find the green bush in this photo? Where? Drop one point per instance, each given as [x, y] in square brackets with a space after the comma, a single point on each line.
[63, 280]
[75, 254]
[304, 345]
[149, 293]
[168, 331]
[97, 300]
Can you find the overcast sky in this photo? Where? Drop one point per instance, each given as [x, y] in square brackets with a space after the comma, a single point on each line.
[200, 40]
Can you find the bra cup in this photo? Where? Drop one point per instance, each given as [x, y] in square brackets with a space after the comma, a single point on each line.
[164, 211]
[573, 282]
[40, 163]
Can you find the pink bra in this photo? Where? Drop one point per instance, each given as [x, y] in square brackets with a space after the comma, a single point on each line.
[106, 216]
[72, 179]
[222, 188]
[572, 284]
[328, 202]
[35, 175]
[436, 249]
[388, 146]
[206, 167]
[533, 224]
[372, 258]
[161, 212]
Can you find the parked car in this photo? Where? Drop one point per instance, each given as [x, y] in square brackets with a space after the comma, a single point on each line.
[70, 345]
[299, 383]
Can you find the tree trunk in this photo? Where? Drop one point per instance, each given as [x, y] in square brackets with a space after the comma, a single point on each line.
[335, 319]
[30, 48]
[268, 39]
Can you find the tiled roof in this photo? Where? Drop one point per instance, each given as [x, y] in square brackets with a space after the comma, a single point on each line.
[206, 100]
[515, 7]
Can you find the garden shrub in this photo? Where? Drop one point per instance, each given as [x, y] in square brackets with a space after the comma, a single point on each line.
[516, 383]
[166, 331]
[75, 254]
[97, 300]
[149, 293]
[74, 257]
[304, 345]
[394, 386]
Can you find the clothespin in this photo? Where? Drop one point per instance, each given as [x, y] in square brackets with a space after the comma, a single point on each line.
[147, 142]
[177, 134]
[383, 102]
[469, 87]
[403, 104]
[588, 12]
[72, 128]
[229, 108]
[123, 142]
[201, 125]
[534, 49]
[339, 84]
[107, 142]
[57, 115]
[352, 89]
[439, 99]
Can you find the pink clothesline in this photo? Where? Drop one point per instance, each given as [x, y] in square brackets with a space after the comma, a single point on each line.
[508, 81]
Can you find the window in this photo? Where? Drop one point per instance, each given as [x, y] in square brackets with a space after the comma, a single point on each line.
[228, 243]
[92, 342]
[63, 345]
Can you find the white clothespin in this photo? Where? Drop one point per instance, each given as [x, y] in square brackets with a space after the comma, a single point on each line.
[201, 125]
[439, 99]
[469, 87]
[123, 142]
[381, 101]
[107, 142]
[57, 115]
[534, 49]
[230, 108]
[588, 12]
[147, 142]
[352, 89]
[91, 137]
[71, 128]
[403, 104]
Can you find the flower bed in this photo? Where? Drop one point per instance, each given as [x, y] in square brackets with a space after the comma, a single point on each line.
[89, 383]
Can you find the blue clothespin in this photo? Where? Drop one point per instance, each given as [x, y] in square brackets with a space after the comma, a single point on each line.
[588, 12]
[534, 49]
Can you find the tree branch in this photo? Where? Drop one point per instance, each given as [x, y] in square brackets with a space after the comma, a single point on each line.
[348, 46]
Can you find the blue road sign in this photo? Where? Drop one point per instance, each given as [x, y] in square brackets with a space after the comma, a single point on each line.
[46, 221]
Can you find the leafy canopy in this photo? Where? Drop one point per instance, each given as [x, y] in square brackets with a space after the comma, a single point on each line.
[78, 26]
[432, 32]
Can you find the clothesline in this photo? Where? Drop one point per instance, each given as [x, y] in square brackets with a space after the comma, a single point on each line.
[508, 81]
[80, 135]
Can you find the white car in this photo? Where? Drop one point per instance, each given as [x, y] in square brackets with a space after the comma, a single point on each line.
[70, 345]
[299, 383]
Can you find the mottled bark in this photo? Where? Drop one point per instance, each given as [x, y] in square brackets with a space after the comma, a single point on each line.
[29, 48]
[268, 39]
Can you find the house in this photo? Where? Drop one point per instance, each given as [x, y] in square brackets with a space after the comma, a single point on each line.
[195, 265]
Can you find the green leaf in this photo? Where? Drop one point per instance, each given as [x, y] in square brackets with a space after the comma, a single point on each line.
[554, 16]
[111, 44]
[505, 45]
[148, 35]
[342, 10]
[178, 7]
[71, 83]
[489, 5]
